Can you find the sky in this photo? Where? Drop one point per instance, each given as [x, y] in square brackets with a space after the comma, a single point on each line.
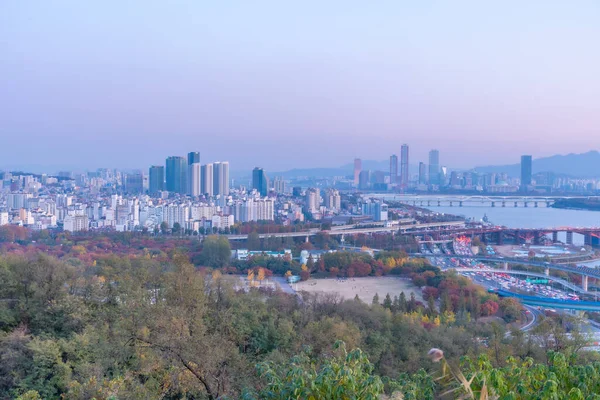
[278, 84]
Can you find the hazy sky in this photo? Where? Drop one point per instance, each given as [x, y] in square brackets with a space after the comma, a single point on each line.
[285, 84]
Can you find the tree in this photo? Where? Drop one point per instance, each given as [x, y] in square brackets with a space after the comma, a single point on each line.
[375, 299]
[253, 241]
[216, 251]
[387, 302]
[164, 227]
[176, 228]
[510, 308]
[348, 375]
[261, 274]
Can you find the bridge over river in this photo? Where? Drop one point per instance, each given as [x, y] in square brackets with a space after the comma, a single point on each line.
[478, 200]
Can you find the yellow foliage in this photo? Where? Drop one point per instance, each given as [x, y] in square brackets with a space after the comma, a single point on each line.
[390, 262]
[288, 273]
[261, 274]
[425, 319]
[436, 321]
[304, 267]
[448, 317]
[216, 275]
[251, 276]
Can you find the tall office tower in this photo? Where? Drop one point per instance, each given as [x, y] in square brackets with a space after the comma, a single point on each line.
[434, 167]
[363, 180]
[221, 178]
[404, 174]
[176, 174]
[422, 173]
[207, 186]
[134, 183]
[193, 174]
[260, 181]
[393, 169]
[357, 169]
[526, 170]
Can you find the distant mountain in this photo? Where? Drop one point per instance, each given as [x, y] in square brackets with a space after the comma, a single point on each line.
[584, 165]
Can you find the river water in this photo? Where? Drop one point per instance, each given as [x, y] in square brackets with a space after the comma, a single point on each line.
[530, 217]
[521, 217]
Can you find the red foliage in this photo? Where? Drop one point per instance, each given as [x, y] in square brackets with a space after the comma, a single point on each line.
[429, 291]
[488, 308]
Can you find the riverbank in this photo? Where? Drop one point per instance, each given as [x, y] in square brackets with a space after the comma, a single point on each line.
[578, 204]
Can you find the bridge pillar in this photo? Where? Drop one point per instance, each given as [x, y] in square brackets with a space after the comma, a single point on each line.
[570, 238]
[547, 271]
[500, 238]
[525, 204]
[439, 203]
[535, 204]
[343, 240]
[516, 205]
[460, 203]
[306, 240]
[503, 204]
[554, 237]
[493, 204]
[587, 240]
[505, 265]
[584, 283]
[450, 204]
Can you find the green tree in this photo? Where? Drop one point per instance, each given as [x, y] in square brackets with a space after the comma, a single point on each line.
[348, 375]
[164, 227]
[216, 251]
[376, 299]
[253, 241]
[387, 302]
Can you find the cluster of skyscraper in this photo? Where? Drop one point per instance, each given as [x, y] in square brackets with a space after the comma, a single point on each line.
[188, 177]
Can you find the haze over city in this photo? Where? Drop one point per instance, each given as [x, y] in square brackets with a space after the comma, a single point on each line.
[125, 84]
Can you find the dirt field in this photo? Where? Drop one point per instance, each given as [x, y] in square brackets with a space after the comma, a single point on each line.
[364, 287]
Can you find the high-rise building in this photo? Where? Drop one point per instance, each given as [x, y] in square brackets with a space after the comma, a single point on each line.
[176, 174]
[207, 185]
[260, 181]
[312, 200]
[363, 180]
[357, 169]
[394, 169]
[526, 169]
[422, 173]
[134, 183]
[279, 184]
[193, 174]
[404, 174]
[333, 200]
[434, 167]
[221, 178]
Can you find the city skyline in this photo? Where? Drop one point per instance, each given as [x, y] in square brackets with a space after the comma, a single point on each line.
[238, 81]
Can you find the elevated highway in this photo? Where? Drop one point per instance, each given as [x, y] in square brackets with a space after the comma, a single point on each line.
[406, 228]
[552, 303]
[585, 272]
[566, 284]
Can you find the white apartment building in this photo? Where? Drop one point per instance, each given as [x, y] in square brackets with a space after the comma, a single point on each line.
[3, 218]
[222, 221]
[75, 223]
